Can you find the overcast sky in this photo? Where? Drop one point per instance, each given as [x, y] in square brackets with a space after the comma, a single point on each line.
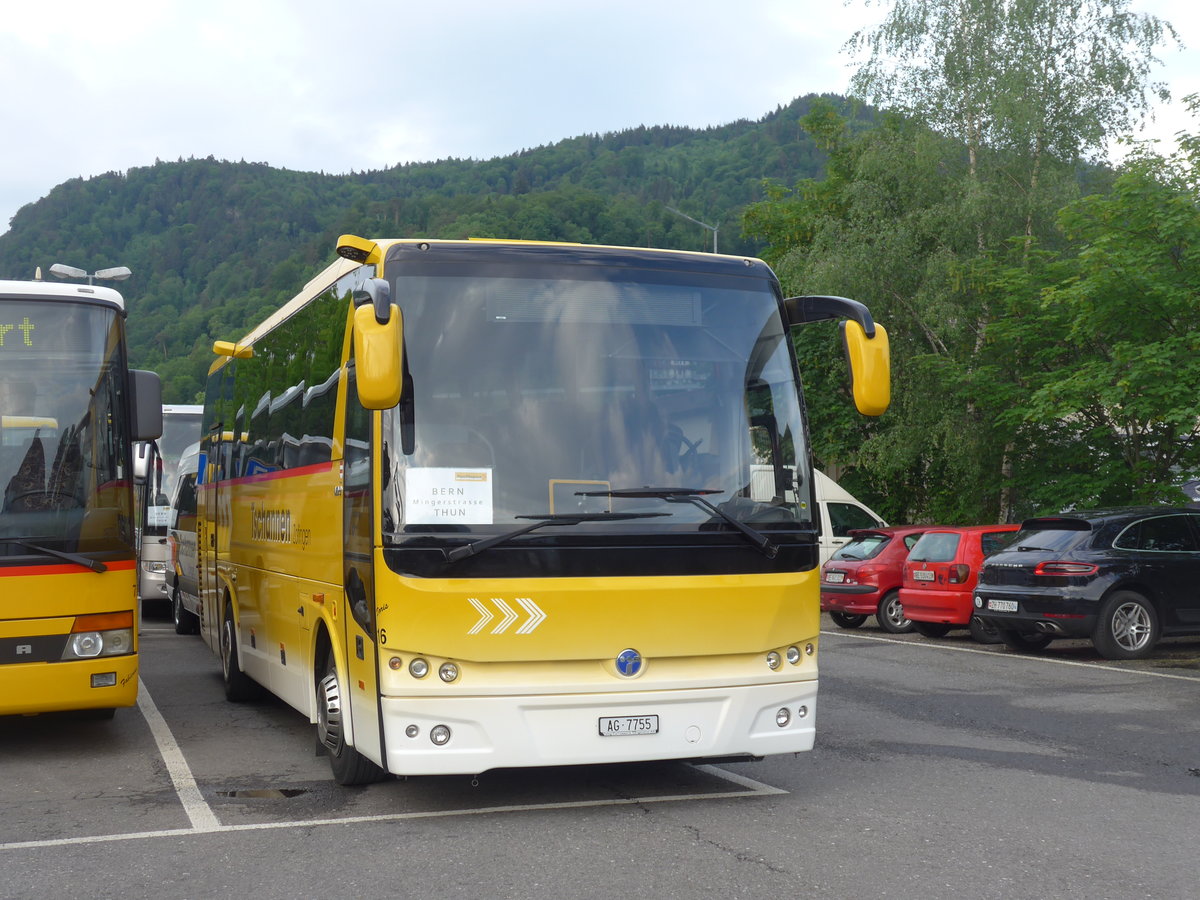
[95, 87]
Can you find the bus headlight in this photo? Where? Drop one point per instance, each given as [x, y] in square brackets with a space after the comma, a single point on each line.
[85, 646]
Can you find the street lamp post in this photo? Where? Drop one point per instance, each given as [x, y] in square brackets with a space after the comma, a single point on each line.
[116, 273]
[712, 228]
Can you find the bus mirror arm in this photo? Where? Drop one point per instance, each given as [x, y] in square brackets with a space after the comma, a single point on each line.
[378, 293]
[802, 310]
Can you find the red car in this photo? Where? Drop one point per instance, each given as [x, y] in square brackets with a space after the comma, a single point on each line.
[863, 578]
[940, 576]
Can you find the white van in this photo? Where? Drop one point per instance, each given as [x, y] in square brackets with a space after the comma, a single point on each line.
[840, 512]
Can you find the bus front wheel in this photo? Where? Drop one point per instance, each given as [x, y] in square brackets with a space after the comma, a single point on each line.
[349, 766]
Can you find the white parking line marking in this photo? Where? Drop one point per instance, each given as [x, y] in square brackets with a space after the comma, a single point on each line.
[752, 789]
[198, 811]
[1033, 659]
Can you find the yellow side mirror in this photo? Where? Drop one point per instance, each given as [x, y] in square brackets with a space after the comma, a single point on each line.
[378, 357]
[870, 367]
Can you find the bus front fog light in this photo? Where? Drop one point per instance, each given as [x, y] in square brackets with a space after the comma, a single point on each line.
[418, 668]
[783, 717]
[793, 655]
[104, 679]
[448, 672]
[440, 735]
[773, 660]
[87, 644]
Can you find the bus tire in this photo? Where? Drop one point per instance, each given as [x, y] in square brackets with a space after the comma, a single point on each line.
[185, 620]
[239, 686]
[348, 765]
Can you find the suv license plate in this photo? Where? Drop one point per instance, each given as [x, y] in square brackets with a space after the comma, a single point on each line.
[619, 726]
[1002, 605]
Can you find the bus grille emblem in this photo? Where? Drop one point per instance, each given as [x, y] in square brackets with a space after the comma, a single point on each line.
[629, 663]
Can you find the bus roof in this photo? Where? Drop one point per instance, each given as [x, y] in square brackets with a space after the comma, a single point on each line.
[46, 290]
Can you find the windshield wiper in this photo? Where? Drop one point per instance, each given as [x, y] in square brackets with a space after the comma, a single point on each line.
[692, 496]
[94, 565]
[549, 519]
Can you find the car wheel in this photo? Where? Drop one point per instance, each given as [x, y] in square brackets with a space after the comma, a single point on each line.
[1127, 627]
[984, 632]
[891, 615]
[238, 685]
[349, 766]
[931, 629]
[185, 620]
[846, 620]
[1025, 641]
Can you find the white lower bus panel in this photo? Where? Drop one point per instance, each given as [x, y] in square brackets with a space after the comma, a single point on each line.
[557, 730]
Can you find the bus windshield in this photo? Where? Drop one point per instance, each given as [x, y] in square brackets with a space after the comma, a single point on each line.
[63, 410]
[559, 391]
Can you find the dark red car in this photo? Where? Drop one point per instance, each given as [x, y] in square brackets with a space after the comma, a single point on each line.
[940, 576]
[863, 578]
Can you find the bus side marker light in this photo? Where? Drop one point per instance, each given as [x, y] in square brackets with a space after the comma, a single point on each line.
[802, 712]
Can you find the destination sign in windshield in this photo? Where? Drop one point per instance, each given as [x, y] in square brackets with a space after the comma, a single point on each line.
[23, 336]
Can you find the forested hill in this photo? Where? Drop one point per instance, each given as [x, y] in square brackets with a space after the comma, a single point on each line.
[215, 245]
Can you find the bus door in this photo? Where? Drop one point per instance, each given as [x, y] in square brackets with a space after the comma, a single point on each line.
[360, 621]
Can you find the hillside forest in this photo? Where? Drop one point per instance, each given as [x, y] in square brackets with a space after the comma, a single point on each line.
[1041, 296]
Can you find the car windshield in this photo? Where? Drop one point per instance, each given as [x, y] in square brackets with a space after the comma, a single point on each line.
[866, 547]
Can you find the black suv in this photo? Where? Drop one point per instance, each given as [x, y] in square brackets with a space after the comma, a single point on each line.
[1121, 577]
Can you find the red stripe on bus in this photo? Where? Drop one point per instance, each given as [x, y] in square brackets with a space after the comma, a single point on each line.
[62, 568]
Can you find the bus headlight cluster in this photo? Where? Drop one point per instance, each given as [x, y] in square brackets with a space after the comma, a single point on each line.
[419, 668]
[107, 634]
[793, 655]
[91, 644]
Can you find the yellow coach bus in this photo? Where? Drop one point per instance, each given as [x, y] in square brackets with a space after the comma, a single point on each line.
[70, 409]
[480, 504]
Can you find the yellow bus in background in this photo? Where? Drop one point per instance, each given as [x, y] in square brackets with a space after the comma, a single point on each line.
[70, 409]
[481, 504]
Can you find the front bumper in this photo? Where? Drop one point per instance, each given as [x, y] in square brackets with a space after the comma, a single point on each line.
[556, 730]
